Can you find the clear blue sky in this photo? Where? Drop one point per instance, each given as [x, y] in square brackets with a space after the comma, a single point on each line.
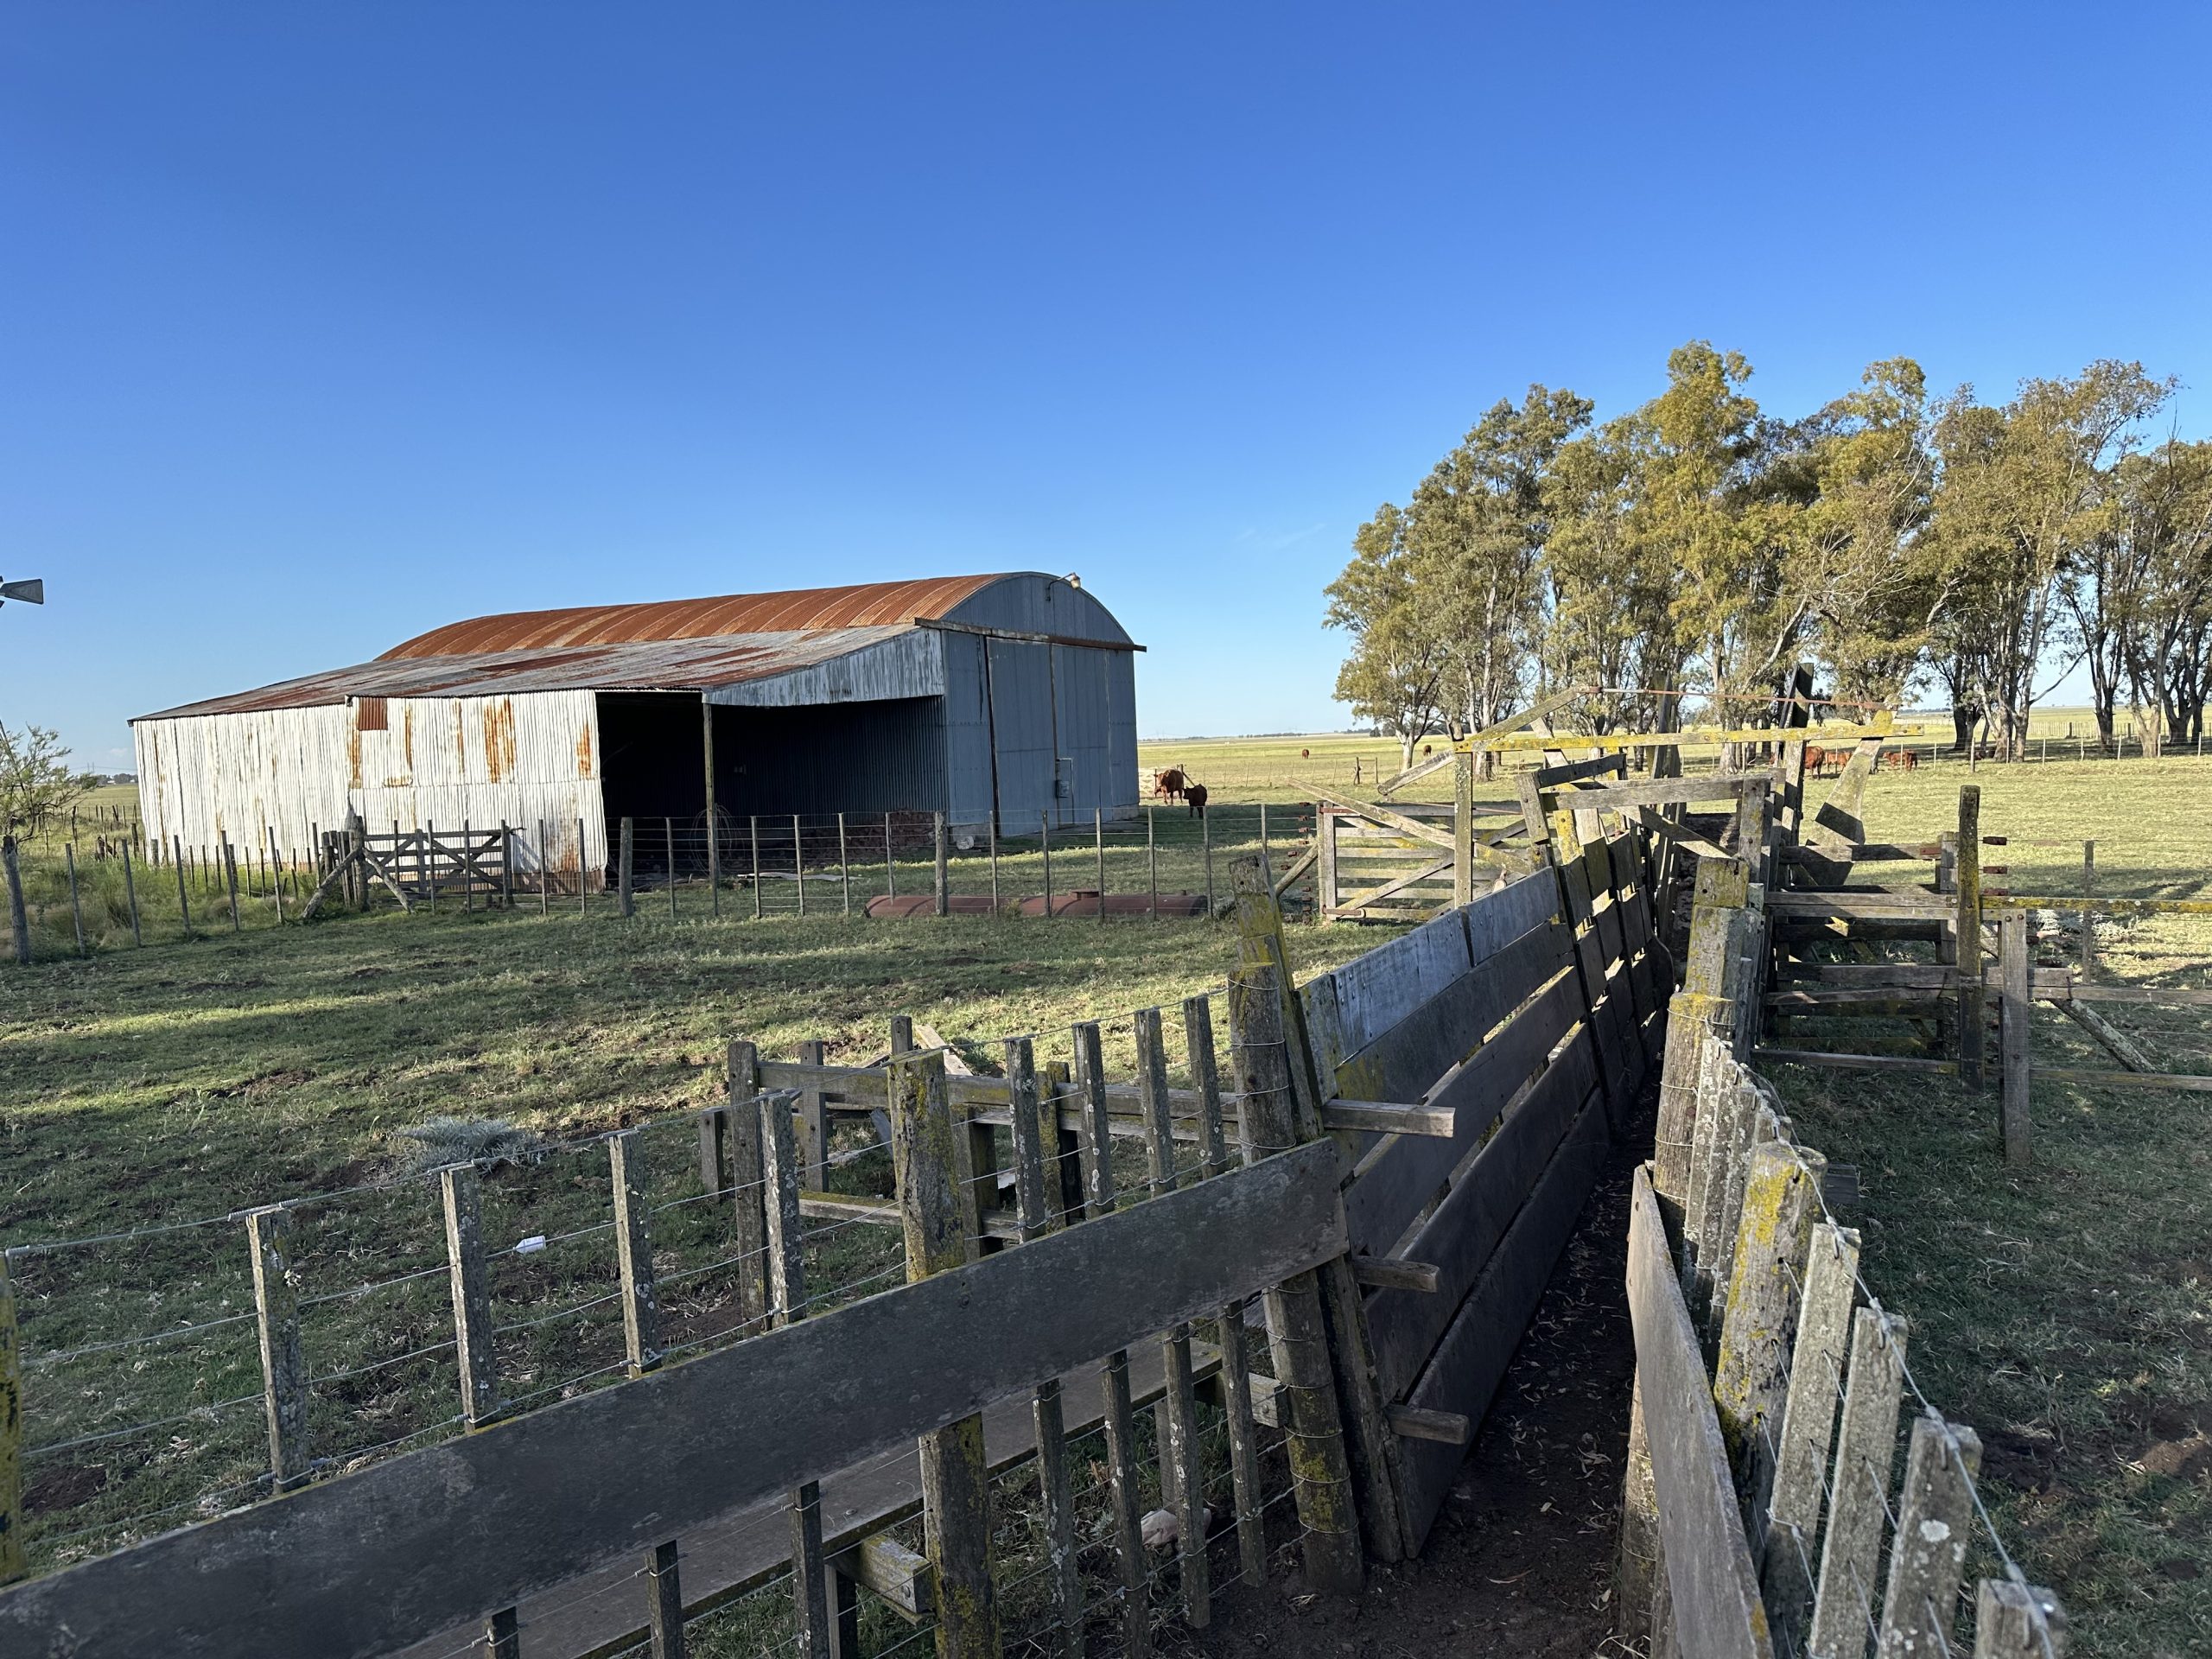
[325, 324]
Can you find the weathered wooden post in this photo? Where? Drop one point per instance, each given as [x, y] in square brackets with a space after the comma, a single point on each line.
[633, 1253]
[942, 890]
[955, 1478]
[472, 1294]
[1781, 1202]
[20, 918]
[131, 895]
[844, 865]
[664, 1602]
[1859, 1494]
[276, 874]
[1098, 820]
[1205, 844]
[231, 879]
[1044, 845]
[1036, 1212]
[2088, 921]
[746, 1171]
[780, 1161]
[1967, 927]
[583, 884]
[506, 865]
[991, 828]
[1320, 1465]
[1808, 1430]
[798, 861]
[2018, 1621]
[1935, 1522]
[668, 832]
[813, 1122]
[76, 905]
[2015, 1011]
[177, 864]
[1325, 862]
[1463, 829]
[624, 892]
[1119, 1411]
[1152, 859]
[283, 1369]
[1182, 1484]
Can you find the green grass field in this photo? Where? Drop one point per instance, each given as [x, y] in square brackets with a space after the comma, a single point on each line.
[2066, 1313]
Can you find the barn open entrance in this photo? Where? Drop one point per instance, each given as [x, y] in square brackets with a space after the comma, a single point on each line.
[653, 772]
[822, 759]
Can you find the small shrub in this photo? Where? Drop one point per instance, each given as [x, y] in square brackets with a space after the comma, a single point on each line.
[487, 1140]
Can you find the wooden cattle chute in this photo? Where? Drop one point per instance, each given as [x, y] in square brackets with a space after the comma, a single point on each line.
[1468, 1074]
[1754, 1516]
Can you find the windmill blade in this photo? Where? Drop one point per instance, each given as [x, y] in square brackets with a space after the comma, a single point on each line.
[31, 593]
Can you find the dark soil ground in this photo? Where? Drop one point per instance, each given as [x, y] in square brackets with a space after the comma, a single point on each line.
[1521, 1561]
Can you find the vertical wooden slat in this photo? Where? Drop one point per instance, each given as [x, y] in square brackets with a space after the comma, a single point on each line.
[583, 884]
[955, 1478]
[283, 1368]
[1968, 929]
[1098, 823]
[1182, 1464]
[2088, 921]
[11, 1435]
[1235, 1370]
[1859, 1489]
[633, 1253]
[1044, 846]
[472, 1293]
[2013, 1116]
[502, 1636]
[131, 896]
[942, 874]
[1036, 1191]
[183, 904]
[780, 1158]
[1808, 1429]
[1320, 1467]
[506, 865]
[2018, 1621]
[276, 873]
[231, 877]
[813, 1122]
[1120, 1412]
[76, 905]
[623, 891]
[748, 1219]
[1934, 1522]
[664, 1602]
[1781, 1202]
[468, 868]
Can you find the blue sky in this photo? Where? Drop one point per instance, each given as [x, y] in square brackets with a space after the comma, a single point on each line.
[326, 324]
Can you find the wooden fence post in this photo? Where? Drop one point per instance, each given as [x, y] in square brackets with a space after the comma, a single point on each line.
[1152, 859]
[2018, 1004]
[1781, 1201]
[1036, 1194]
[1463, 829]
[76, 904]
[1205, 841]
[1324, 862]
[1098, 824]
[1182, 1483]
[798, 861]
[231, 879]
[20, 919]
[668, 837]
[779, 1152]
[844, 865]
[472, 1294]
[2088, 921]
[814, 1123]
[276, 873]
[131, 895]
[1934, 1522]
[1044, 845]
[1320, 1468]
[503, 1634]
[943, 889]
[664, 1602]
[633, 1253]
[1808, 1429]
[1119, 1413]
[955, 1477]
[1844, 1607]
[506, 865]
[1697, 1011]
[284, 1369]
[583, 882]
[623, 889]
[747, 1182]
[11, 1435]
[183, 904]
[2018, 1621]
[1236, 1376]
[1968, 929]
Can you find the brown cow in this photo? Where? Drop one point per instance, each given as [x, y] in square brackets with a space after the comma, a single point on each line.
[1901, 760]
[1196, 793]
[1170, 784]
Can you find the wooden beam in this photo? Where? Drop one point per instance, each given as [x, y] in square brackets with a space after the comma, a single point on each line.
[1410, 827]
[383, 1557]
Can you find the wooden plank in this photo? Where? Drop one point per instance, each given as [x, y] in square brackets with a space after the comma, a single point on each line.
[1379, 988]
[459, 1191]
[1773, 1243]
[1713, 1588]
[1794, 1508]
[1457, 1240]
[1935, 1525]
[1468, 1364]
[1858, 1492]
[1858, 1062]
[900, 1575]
[1680, 835]
[1967, 934]
[2016, 1007]
[1661, 792]
[1863, 906]
[1613, 765]
[955, 1477]
[2124, 1079]
[2114, 1041]
[384, 1556]
[1405, 825]
[1182, 1475]
[2018, 1621]
[1398, 1178]
[786, 1268]
[748, 1181]
[633, 1253]
[1397, 885]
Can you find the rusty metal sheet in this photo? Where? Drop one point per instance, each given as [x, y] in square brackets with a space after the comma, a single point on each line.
[875, 604]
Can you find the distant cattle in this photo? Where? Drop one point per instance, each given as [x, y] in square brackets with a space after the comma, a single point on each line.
[1825, 763]
[1196, 794]
[1170, 784]
[1901, 760]
[1306, 754]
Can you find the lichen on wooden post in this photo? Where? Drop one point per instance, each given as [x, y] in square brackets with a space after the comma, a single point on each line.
[633, 1254]
[283, 1369]
[458, 1188]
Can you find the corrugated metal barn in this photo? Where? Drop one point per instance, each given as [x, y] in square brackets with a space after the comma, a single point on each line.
[962, 694]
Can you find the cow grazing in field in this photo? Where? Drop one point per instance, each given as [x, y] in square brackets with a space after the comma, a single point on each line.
[1196, 794]
[1901, 760]
[1170, 784]
[1825, 763]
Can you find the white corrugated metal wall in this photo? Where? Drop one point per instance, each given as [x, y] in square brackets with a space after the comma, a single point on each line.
[438, 760]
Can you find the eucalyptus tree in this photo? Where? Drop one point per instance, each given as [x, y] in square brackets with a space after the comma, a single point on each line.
[1394, 675]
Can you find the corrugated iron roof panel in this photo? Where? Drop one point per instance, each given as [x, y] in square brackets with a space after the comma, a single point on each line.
[874, 604]
[684, 665]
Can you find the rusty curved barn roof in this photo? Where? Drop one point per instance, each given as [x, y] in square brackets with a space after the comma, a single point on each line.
[805, 610]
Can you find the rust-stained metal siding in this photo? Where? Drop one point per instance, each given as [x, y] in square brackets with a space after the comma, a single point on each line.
[443, 760]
